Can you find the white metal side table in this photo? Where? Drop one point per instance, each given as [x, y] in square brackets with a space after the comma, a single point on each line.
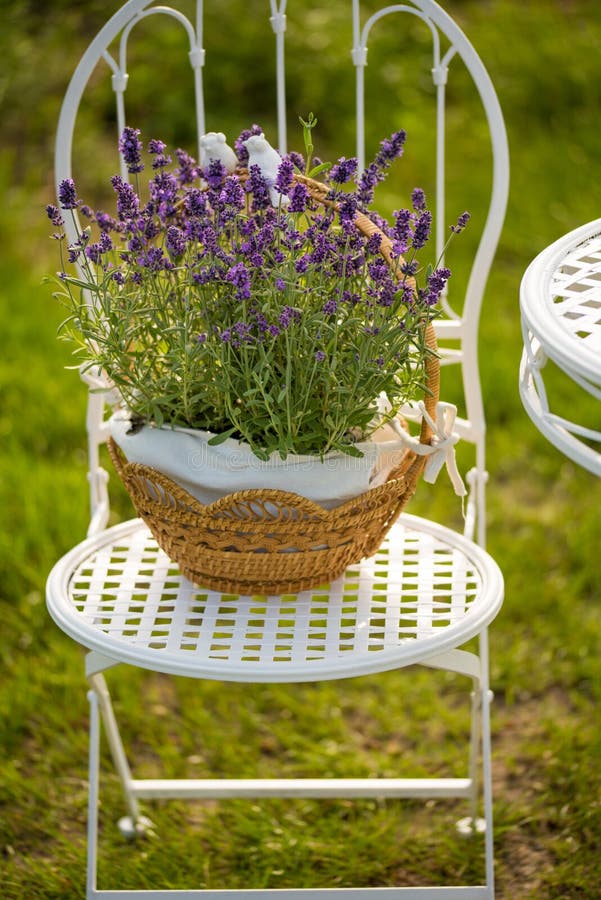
[560, 302]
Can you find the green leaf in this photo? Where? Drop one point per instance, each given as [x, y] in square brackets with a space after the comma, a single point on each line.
[221, 438]
[323, 167]
[351, 450]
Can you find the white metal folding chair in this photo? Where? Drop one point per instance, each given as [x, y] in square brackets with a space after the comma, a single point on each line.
[418, 600]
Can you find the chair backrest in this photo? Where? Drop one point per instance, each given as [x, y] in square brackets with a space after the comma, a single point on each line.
[457, 330]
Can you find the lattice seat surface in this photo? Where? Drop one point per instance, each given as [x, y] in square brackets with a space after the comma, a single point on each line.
[425, 587]
[576, 294]
[561, 304]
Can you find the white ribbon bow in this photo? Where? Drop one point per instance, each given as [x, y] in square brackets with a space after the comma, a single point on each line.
[441, 450]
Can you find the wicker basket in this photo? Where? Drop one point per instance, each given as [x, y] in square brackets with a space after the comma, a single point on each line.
[271, 541]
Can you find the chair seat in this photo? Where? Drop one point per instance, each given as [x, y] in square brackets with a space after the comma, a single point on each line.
[426, 591]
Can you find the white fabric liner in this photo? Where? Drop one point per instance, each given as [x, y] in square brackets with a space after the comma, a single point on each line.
[209, 472]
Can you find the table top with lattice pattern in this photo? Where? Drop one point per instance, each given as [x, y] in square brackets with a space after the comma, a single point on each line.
[427, 590]
[561, 302]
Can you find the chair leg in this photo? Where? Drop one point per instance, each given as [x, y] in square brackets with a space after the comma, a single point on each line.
[133, 824]
[93, 777]
[487, 764]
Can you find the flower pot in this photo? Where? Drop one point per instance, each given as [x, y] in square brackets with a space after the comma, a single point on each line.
[235, 524]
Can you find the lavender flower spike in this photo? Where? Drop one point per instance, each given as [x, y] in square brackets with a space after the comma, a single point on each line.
[421, 233]
[283, 181]
[66, 194]
[130, 147]
[54, 215]
[342, 171]
[418, 199]
[461, 223]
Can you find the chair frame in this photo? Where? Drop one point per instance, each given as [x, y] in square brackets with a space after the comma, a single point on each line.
[454, 327]
[461, 329]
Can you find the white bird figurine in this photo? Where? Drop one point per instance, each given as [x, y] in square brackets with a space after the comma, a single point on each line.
[213, 146]
[262, 154]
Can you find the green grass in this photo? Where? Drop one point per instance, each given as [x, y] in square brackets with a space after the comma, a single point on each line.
[544, 532]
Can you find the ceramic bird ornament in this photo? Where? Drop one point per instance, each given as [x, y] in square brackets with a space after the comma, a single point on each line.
[213, 146]
[262, 154]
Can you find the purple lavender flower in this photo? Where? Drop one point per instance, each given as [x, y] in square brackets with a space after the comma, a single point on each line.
[347, 210]
[280, 284]
[106, 222]
[386, 291]
[418, 199]
[297, 160]
[239, 276]
[299, 197]
[410, 268]
[302, 264]
[378, 270]
[259, 189]
[66, 194]
[94, 253]
[195, 202]
[266, 236]
[163, 194]
[374, 242]
[283, 179]
[461, 222]
[330, 307]
[436, 283]
[135, 243]
[242, 329]
[54, 215]
[128, 203]
[321, 249]
[155, 260]
[175, 241]
[391, 148]
[232, 197]
[343, 170]
[161, 161]
[187, 172]
[319, 356]
[274, 330]
[403, 219]
[130, 147]
[156, 147]
[421, 233]
[289, 315]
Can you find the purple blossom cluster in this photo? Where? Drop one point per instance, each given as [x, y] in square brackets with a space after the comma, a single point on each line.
[207, 254]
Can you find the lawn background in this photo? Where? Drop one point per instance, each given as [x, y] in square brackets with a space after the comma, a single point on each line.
[544, 57]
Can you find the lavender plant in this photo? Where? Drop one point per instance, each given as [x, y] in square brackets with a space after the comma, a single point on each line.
[208, 307]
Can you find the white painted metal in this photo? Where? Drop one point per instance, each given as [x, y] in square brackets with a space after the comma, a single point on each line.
[427, 591]
[424, 594]
[462, 327]
[560, 300]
